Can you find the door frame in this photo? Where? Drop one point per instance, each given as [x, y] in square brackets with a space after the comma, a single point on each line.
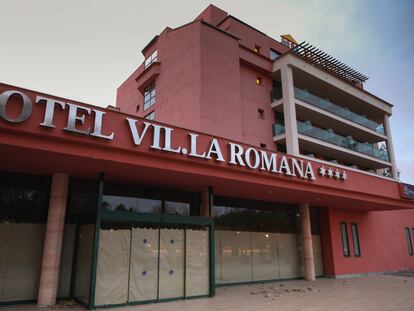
[157, 220]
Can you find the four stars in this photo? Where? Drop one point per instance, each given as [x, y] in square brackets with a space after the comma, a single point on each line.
[329, 172]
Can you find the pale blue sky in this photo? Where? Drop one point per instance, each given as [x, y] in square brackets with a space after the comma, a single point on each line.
[83, 50]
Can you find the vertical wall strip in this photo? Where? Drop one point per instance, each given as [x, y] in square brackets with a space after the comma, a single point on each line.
[251, 254]
[74, 265]
[212, 262]
[210, 200]
[185, 262]
[94, 261]
[129, 262]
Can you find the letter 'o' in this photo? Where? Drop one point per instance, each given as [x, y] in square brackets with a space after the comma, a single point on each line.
[26, 111]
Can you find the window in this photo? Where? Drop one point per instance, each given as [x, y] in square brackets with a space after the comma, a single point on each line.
[260, 113]
[151, 59]
[149, 95]
[355, 239]
[409, 241]
[259, 80]
[150, 116]
[238, 214]
[256, 49]
[345, 243]
[274, 54]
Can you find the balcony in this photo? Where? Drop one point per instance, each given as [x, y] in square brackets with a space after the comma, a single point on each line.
[342, 141]
[338, 110]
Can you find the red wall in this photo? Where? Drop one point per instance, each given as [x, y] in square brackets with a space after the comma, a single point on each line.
[207, 80]
[382, 240]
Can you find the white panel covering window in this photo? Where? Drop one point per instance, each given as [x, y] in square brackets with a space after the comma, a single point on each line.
[20, 260]
[144, 264]
[264, 256]
[288, 256]
[113, 267]
[236, 256]
[317, 254]
[171, 273]
[197, 262]
[65, 271]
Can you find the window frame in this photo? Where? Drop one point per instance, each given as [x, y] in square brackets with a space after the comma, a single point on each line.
[346, 251]
[409, 241]
[355, 239]
[150, 101]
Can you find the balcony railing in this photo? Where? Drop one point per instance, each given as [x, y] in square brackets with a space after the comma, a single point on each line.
[278, 129]
[275, 94]
[342, 141]
[338, 110]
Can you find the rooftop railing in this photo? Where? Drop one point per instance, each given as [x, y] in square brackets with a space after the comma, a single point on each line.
[342, 141]
[338, 110]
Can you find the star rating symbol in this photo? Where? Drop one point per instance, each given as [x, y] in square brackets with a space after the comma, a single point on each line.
[333, 173]
[337, 174]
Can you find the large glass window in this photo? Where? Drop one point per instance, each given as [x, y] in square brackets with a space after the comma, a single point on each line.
[409, 241]
[355, 238]
[149, 201]
[151, 59]
[345, 242]
[149, 95]
[249, 215]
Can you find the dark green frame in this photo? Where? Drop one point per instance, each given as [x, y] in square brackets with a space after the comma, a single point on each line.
[158, 220]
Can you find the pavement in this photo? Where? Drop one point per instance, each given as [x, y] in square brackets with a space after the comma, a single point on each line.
[380, 293]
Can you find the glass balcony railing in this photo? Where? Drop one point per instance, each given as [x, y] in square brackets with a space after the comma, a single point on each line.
[342, 141]
[338, 110]
[278, 129]
[275, 94]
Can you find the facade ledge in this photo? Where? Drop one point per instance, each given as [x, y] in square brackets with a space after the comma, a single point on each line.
[257, 61]
[148, 75]
[280, 137]
[276, 104]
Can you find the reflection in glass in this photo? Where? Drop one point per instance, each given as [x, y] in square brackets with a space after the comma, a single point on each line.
[131, 204]
[177, 208]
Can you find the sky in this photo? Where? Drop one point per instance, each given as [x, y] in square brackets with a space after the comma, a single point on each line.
[83, 50]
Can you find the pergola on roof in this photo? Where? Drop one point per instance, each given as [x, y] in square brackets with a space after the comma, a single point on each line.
[325, 61]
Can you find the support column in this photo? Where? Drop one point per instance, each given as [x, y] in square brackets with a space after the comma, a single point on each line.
[289, 110]
[390, 147]
[49, 275]
[308, 260]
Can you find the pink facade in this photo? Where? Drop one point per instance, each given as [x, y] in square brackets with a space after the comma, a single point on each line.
[206, 81]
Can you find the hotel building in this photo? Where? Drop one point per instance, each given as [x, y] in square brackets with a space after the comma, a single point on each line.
[230, 157]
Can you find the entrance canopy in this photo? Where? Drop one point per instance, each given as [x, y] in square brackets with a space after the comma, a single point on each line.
[45, 134]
